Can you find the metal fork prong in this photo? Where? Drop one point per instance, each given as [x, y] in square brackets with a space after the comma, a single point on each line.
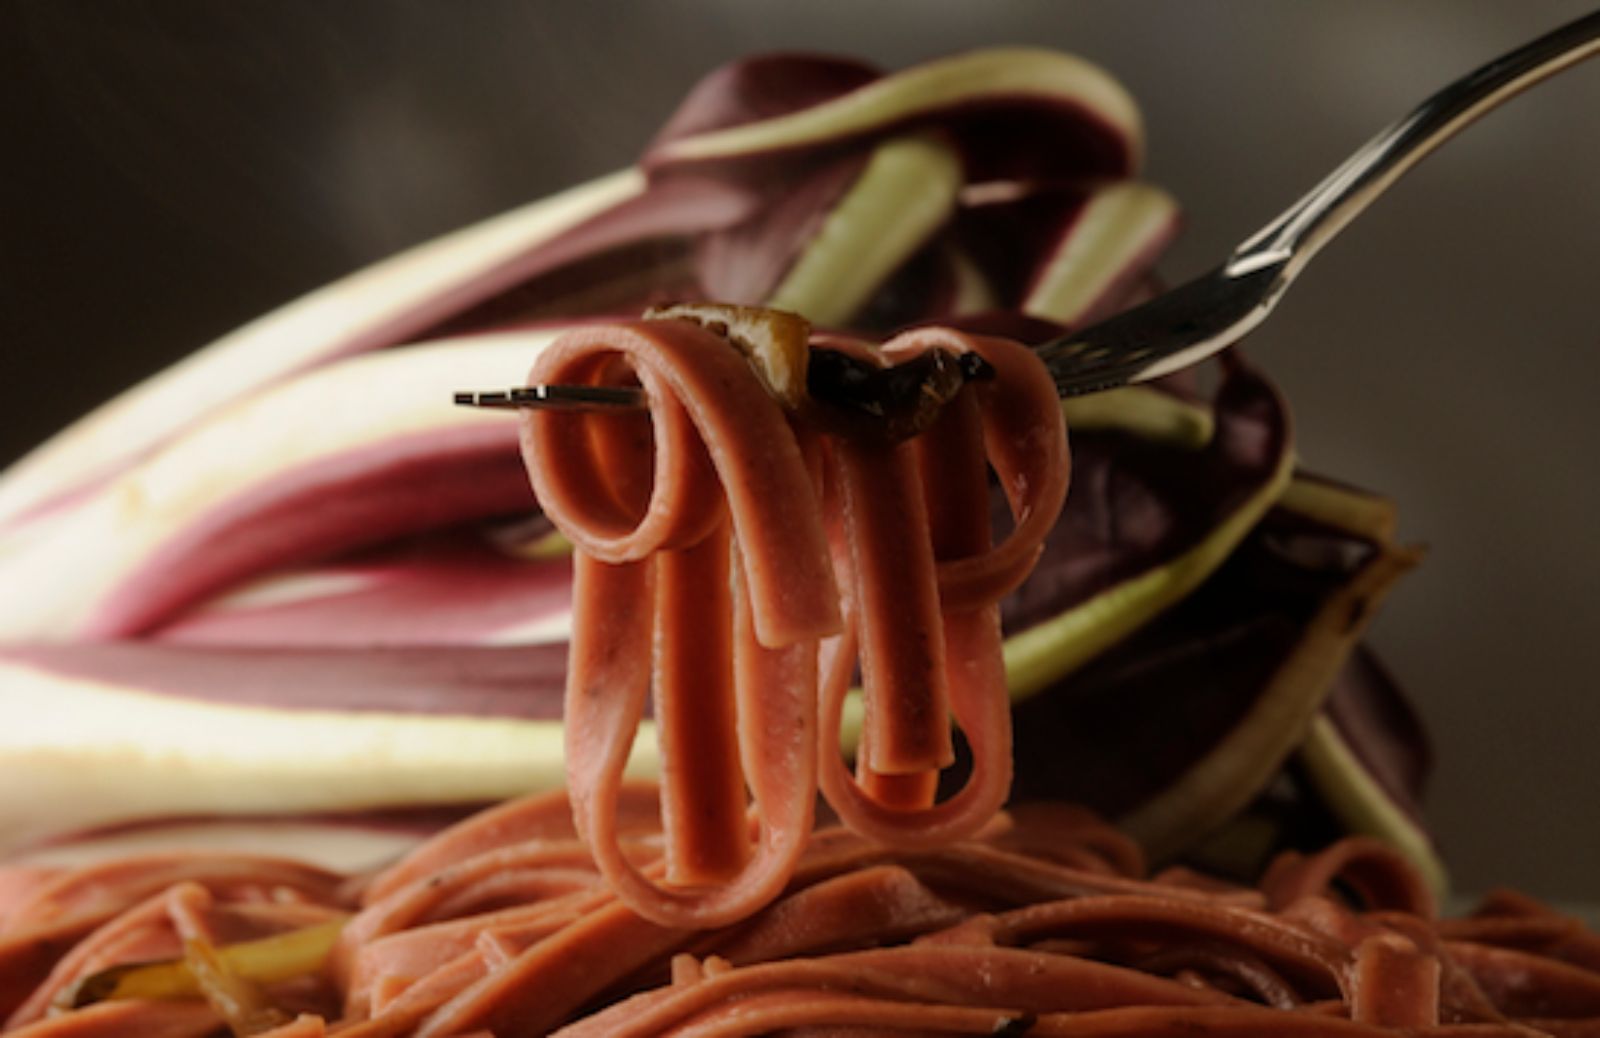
[1170, 332]
[559, 398]
[1216, 310]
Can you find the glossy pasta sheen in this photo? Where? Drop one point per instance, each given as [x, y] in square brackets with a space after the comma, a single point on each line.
[716, 540]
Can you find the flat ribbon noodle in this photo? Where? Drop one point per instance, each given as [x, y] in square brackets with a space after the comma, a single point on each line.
[1014, 425]
[644, 508]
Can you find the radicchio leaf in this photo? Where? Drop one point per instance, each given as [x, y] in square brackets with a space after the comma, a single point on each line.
[1071, 253]
[1373, 717]
[108, 733]
[742, 264]
[1144, 525]
[905, 192]
[1016, 114]
[1367, 758]
[440, 591]
[762, 87]
[387, 303]
[1238, 673]
[293, 474]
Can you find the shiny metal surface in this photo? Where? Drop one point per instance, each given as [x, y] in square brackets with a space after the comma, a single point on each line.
[556, 398]
[1219, 308]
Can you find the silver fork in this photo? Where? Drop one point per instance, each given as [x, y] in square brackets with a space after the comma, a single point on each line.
[1218, 308]
[1201, 317]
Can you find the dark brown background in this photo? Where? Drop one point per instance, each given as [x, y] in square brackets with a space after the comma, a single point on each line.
[174, 168]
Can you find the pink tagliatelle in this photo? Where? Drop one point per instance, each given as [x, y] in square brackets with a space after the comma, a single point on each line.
[714, 537]
[1044, 923]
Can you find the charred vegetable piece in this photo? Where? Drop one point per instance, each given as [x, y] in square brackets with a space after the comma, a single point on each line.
[893, 403]
[776, 342]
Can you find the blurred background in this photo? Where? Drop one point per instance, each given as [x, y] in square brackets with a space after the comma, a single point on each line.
[176, 167]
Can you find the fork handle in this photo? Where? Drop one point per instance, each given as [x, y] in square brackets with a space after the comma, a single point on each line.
[1305, 227]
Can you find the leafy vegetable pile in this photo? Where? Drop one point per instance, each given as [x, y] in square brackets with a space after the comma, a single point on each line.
[286, 576]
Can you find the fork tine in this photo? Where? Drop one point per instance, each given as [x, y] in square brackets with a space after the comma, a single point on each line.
[1178, 328]
[561, 398]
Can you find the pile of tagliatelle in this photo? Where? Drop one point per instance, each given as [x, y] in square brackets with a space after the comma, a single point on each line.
[289, 613]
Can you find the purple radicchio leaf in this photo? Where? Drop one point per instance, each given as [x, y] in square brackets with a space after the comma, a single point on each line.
[451, 588]
[1072, 253]
[1237, 672]
[1013, 114]
[761, 87]
[523, 681]
[1136, 504]
[1375, 719]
